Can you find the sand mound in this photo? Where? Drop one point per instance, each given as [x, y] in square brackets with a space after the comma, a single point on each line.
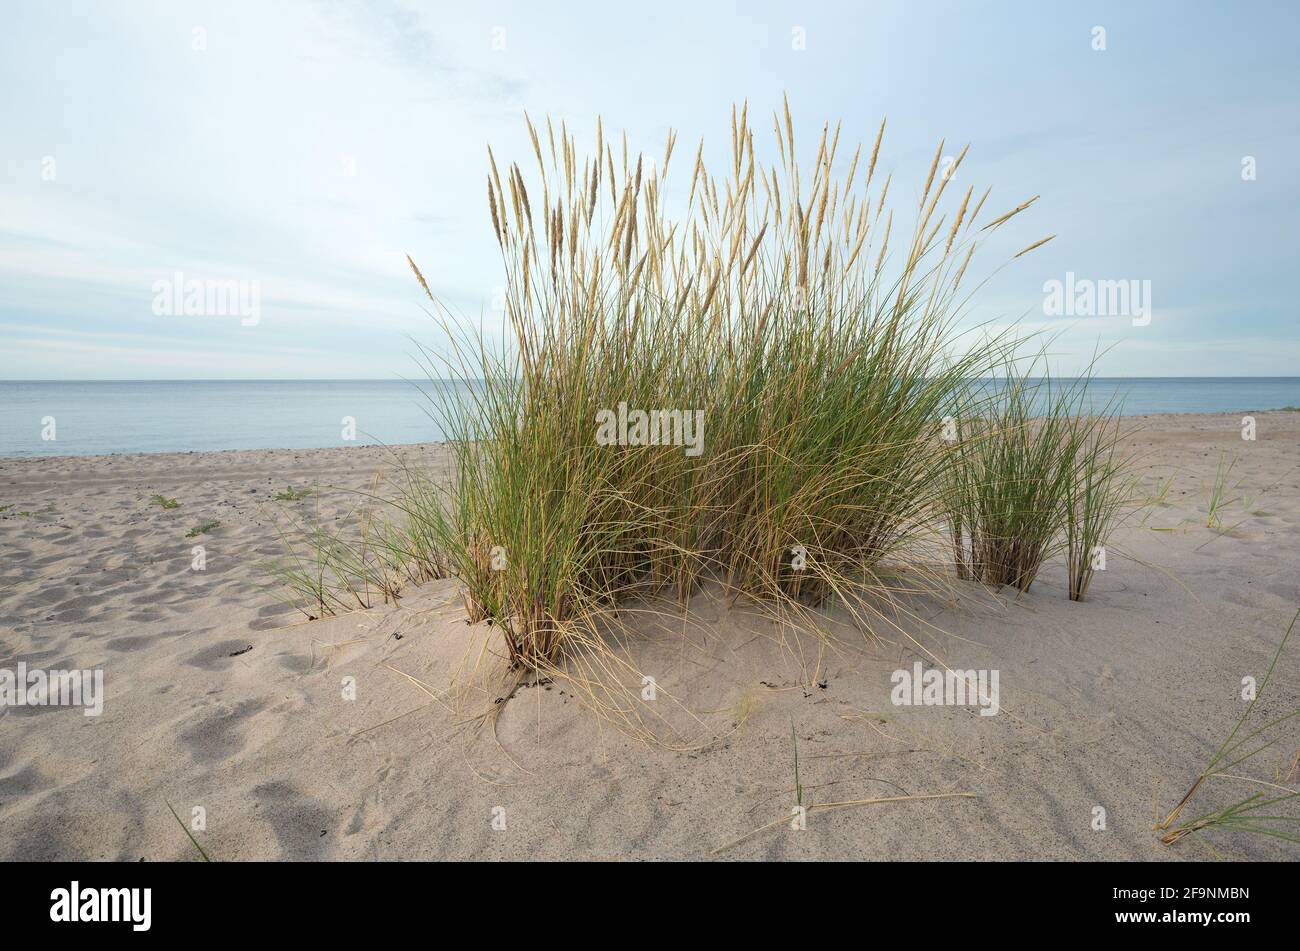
[363, 736]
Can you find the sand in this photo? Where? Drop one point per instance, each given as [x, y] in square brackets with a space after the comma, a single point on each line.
[218, 697]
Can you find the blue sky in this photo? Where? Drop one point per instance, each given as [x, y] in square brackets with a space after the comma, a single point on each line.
[309, 146]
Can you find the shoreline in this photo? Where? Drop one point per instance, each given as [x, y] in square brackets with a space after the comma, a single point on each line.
[1164, 417]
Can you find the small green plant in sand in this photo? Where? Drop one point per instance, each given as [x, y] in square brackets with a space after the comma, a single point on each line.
[333, 571]
[202, 529]
[1219, 491]
[48, 509]
[363, 557]
[1250, 505]
[1155, 498]
[291, 495]
[1243, 815]
[163, 502]
[5, 508]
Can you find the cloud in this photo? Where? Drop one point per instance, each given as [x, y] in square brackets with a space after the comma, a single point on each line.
[312, 145]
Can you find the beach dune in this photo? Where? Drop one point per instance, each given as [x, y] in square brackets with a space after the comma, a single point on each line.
[361, 736]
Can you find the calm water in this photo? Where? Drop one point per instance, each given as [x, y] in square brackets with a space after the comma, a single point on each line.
[164, 416]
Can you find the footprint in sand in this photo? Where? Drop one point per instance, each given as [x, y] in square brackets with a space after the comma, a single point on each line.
[303, 827]
[218, 656]
[221, 736]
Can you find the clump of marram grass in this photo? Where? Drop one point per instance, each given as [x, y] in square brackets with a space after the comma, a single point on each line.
[1033, 471]
[1096, 496]
[810, 334]
[1011, 469]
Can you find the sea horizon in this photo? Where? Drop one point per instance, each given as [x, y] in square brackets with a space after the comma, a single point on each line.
[104, 417]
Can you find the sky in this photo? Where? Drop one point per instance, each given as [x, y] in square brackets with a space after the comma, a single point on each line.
[307, 147]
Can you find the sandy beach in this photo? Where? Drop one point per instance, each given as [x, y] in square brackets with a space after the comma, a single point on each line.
[219, 696]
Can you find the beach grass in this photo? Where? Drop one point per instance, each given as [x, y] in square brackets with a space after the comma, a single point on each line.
[189, 835]
[364, 557]
[798, 784]
[1220, 493]
[749, 396]
[1243, 815]
[1034, 471]
[291, 495]
[1156, 497]
[801, 341]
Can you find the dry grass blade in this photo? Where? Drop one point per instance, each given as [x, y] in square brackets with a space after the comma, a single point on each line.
[420, 277]
[851, 804]
[1241, 815]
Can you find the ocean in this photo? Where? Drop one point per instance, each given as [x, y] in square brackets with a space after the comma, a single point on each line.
[92, 418]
